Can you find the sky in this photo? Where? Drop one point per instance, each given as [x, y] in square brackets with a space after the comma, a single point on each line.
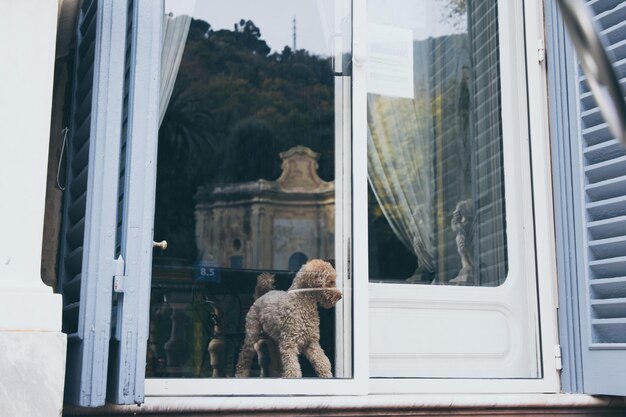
[314, 18]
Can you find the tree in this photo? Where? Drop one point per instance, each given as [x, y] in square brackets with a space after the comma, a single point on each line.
[234, 108]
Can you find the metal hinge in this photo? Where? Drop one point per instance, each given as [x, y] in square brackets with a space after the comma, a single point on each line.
[118, 274]
[557, 356]
[541, 50]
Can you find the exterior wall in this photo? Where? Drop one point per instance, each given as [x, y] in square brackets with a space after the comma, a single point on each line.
[32, 347]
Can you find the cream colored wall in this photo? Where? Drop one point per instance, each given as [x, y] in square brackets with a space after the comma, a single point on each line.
[32, 347]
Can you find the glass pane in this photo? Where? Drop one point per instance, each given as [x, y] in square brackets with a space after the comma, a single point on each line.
[436, 195]
[246, 194]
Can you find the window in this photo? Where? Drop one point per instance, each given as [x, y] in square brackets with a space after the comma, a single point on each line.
[262, 167]
[435, 150]
[452, 285]
[250, 196]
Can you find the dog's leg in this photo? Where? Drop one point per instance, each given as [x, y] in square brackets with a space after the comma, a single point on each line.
[246, 355]
[289, 360]
[315, 354]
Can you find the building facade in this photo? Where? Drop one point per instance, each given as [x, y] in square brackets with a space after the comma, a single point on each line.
[447, 158]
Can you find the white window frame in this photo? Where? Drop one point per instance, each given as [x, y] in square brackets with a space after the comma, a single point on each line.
[529, 116]
[527, 19]
[354, 302]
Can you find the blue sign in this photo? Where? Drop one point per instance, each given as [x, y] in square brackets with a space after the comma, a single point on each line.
[207, 272]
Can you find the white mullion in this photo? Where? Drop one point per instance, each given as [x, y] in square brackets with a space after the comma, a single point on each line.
[545, 242]
[359, 192]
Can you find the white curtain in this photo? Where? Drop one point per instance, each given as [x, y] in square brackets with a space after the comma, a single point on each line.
[175, 30]
[400, 167]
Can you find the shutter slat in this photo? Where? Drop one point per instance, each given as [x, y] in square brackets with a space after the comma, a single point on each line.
[596, 134]
[601, 6]
[88, 8]
[609, 308]
[85, 74]
[615, 33]
[76, 233]
[604, 209]
[607, 189]
[609, 287]
[608, 268]
[75, 259]
[586, 98]
[71, 289]
[89, 25]
[612, 17]
[82, 133]
[606, 170]
[602, 152]
[603, 229]
[592, 117]
[608, 248]
[609, 330]
[79, 184]
[70, 317]
[84, 107]
[76, 210]
[618, 51]
[81, 157]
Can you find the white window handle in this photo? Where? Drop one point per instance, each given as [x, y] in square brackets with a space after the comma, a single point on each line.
[160, 245]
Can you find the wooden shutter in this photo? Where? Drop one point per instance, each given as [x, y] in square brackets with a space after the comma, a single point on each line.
[136, 202]
[603, 281]
[88, 236]
[108, 204]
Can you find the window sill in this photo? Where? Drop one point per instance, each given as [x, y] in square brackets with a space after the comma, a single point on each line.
[465, 404]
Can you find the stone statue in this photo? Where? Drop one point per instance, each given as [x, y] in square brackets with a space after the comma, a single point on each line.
[463, 224]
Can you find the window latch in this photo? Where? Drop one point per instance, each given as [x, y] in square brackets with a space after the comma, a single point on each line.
[541, 50]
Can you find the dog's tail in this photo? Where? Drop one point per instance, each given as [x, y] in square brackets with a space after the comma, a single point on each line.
[264, 284]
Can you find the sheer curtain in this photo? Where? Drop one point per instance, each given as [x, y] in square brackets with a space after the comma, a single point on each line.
[175, 30]
[400, 167]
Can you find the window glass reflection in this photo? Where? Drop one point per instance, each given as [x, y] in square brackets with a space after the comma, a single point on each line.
[245, 192]
[436, 195]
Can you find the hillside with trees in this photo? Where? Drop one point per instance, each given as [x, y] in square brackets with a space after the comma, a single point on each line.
[235, 106]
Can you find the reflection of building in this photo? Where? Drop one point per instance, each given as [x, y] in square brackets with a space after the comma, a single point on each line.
[269, 224]
[465, 92]
[450, 66]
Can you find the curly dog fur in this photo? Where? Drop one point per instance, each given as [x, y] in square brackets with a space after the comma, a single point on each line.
[290, 318]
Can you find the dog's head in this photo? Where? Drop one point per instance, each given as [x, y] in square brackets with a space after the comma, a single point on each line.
[321, 278]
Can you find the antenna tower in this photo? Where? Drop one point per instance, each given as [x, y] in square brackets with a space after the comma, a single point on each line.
[294, 33]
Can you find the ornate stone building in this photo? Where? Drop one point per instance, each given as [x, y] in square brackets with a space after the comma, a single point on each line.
[269, 224]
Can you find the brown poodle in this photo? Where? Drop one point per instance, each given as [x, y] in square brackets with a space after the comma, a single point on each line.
[290, 318]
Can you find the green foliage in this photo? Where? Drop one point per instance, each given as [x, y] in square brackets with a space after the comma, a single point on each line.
[234, 107]
[455, 12]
